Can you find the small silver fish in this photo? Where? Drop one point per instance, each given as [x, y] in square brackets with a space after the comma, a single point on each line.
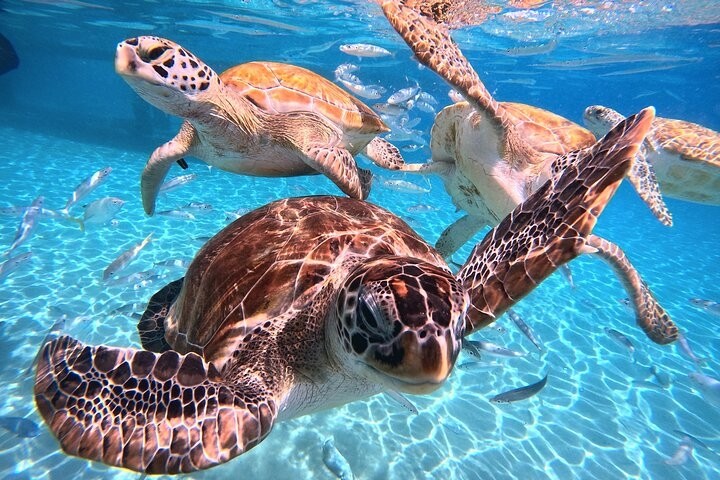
[174, 263]
[403, 95]
[335, 462]
[662, 378]
[405, 186]
[622, 340]
[22, 427]
[694, 439]
[364, 50]
[13, 211]
[87, 186]
[567, 273]
[102, 211]
[688, 351]
[131, 278]
[480, 366]
[709, 306]
[520, 393]
[128, 309]
[420, 207]
[709, 386]
[427, 98]
[125, 258]
[524, 328]
[388, 109]
[425, 107]
[344, 72]
[456, 96]
[371, 92]
[177, 182]
[13, 263]
[682, 454]
[402, 400]
[198, 207]
[28, 223]
[476, 347]
[180, 214]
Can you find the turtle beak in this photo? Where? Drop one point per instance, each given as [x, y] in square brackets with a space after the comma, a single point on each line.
[125, 59]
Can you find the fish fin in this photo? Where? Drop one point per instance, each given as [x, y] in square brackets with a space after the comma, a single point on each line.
[183, 163]
[402, 400]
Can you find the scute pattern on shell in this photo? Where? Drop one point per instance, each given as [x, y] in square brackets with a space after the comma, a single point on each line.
[690, 140]
[284, 88]
[290, 247]
[546, 131]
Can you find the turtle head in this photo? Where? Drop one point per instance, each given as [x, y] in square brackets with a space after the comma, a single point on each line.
[401, 323]
[165, 74]
[600, 120]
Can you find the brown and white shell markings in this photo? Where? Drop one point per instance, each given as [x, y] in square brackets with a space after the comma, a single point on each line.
[305, 304]
[260, 118]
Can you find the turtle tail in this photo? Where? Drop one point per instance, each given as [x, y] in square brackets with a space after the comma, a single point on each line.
[149, 412]
[151, 326]
[551, 227]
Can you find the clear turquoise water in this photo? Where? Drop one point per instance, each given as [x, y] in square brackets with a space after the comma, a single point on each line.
[64, 114]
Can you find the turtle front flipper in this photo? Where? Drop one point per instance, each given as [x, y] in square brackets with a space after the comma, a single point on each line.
[458, 234]
[151, 326]
[434, 47]
[551, 227]
[339, 165]
[384, 154]
[643, 179]
[650, 315]
[149, 412]
[160, 162]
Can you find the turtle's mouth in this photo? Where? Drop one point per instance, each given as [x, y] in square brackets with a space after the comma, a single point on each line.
[392, 382]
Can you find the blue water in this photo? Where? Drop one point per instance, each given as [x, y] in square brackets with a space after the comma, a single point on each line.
[64, 114]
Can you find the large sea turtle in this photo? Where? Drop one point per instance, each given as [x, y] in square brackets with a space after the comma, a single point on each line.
[309, 303]
[685, 155]
[491, 155]
[259, 118]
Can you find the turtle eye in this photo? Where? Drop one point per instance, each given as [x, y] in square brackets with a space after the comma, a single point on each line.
[153, 54]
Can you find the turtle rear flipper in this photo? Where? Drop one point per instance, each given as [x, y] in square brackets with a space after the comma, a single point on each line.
[151, 326]
[551, 227]
[650, 315]
[149, 412]
[339, 165]
[384, 154]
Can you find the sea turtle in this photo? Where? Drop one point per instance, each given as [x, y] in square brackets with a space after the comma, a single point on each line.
[491, 155]
[685, 156]
[259, 118]
[305, 304]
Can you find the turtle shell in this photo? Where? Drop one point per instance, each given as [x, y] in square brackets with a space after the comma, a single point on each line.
[284, 88]
[546, 131]
[691, 141]
[280, 259]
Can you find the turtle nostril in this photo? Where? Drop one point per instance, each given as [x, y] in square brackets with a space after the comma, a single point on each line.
[132, 41]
